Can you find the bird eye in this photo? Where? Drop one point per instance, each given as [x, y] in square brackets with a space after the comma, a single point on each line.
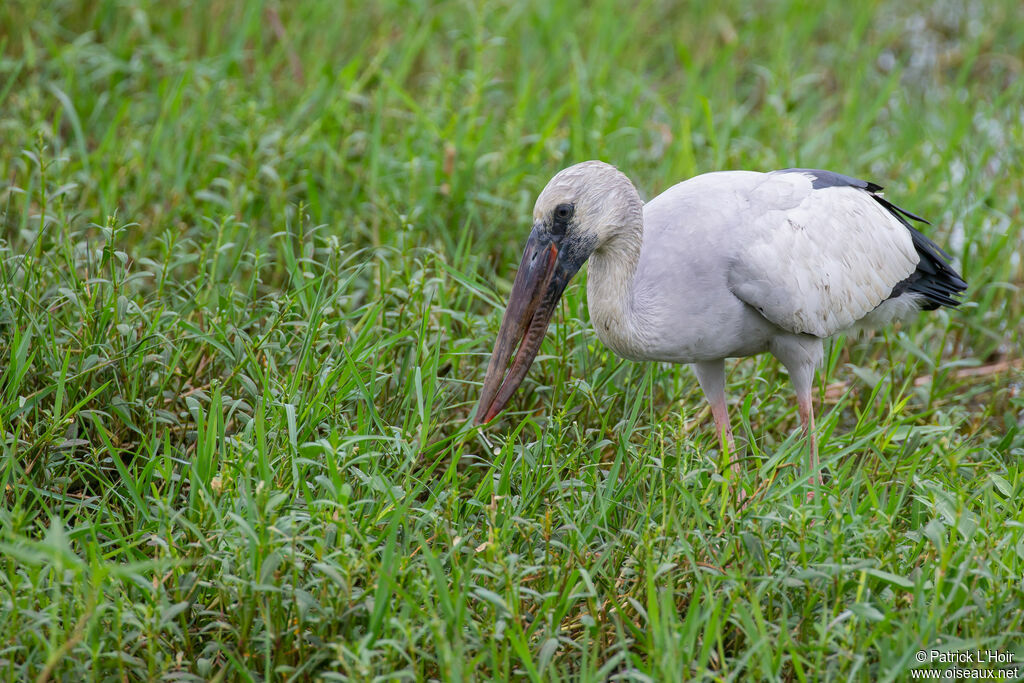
[562, 214]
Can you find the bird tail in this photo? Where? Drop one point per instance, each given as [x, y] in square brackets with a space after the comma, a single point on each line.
[935, 281]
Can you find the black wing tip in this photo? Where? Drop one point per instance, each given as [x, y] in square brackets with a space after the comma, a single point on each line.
[933, 291]
[935, 280]
[900, 213]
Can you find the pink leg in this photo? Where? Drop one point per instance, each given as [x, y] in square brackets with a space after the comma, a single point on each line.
[724, 430]
[807, 420]
[801, 355]
[711, 376]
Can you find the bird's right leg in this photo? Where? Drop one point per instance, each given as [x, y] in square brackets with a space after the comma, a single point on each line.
[801, 356]
[711, 375]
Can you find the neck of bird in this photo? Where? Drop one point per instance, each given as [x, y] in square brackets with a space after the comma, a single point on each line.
[610, 289]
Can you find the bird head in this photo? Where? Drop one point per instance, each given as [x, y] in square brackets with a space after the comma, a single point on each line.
[581, 210]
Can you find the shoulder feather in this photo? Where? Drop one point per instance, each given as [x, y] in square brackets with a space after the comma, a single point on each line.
[823, 257]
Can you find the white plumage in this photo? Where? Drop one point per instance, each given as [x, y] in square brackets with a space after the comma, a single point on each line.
[726, 264]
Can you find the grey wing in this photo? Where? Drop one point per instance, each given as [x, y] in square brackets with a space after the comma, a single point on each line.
[819, 257]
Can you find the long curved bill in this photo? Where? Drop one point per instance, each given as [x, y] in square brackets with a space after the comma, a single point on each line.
[542, 277]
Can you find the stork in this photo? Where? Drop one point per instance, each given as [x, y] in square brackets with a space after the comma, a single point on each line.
[725, 265]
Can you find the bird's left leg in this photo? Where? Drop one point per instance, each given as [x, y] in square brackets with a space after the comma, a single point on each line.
[711, 375]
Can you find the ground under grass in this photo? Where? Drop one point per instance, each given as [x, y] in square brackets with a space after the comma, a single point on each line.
[252, 261]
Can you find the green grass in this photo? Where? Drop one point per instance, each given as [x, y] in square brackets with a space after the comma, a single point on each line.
[252, 261]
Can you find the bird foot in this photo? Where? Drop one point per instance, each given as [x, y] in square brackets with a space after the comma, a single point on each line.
[739, 493]
[813, 486]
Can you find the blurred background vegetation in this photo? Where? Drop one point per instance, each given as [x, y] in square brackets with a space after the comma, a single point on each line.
[251, 256]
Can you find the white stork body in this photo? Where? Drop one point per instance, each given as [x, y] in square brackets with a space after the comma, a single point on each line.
[731, 262]
[723, 265]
